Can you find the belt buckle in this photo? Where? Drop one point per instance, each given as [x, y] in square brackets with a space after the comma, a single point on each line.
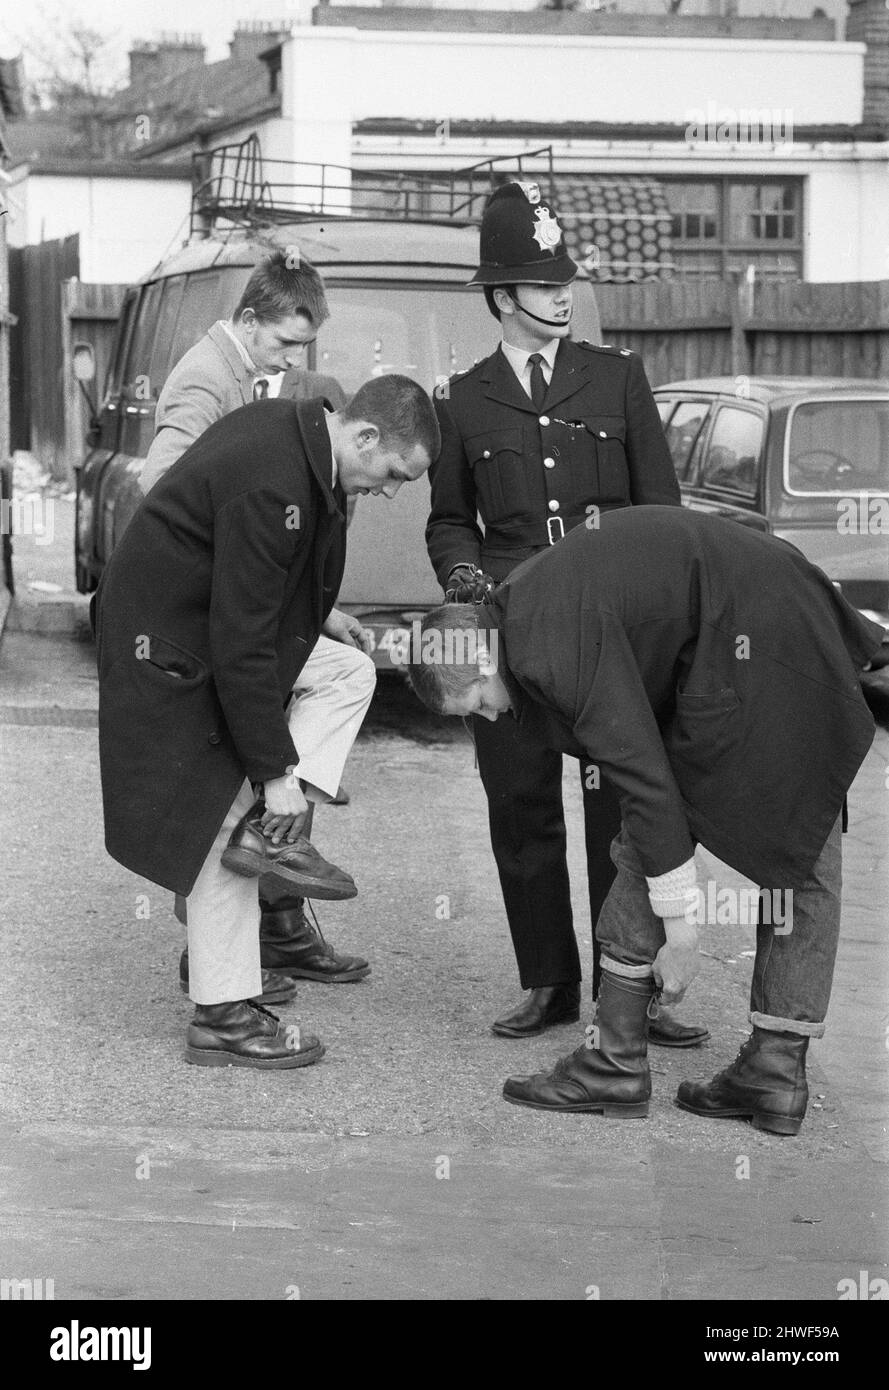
[550, 522]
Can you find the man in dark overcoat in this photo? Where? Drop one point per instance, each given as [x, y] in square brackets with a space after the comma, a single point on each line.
[208, 607]
[711, 673]
[539, 437]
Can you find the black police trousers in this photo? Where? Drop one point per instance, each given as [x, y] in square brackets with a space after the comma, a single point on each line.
[523, 784]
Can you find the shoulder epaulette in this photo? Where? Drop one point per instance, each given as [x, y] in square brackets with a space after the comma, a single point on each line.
[605, 347]
[467, 371]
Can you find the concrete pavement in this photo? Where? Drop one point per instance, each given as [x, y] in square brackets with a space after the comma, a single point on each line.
[392, 1170]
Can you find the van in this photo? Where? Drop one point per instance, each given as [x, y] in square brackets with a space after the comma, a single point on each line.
[399, 303]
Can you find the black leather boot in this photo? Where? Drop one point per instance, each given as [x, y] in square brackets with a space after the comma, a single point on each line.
[766, 1083]
[290, 945]
[251, 853]
[544, 1008]
[611, 1078]
[242, 1034]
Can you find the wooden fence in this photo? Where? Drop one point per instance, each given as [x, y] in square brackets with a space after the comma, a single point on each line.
[711, 328]
[54, 309]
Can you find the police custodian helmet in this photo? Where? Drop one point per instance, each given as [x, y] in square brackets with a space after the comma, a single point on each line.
[521, 242]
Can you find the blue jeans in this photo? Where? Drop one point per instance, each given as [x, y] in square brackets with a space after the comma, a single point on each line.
[793, 969]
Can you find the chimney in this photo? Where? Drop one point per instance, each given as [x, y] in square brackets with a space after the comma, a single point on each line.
[868, 23]
[254, 36]
[164, 57]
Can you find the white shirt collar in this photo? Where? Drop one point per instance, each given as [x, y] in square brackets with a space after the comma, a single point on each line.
[242, 351]
[518, 357]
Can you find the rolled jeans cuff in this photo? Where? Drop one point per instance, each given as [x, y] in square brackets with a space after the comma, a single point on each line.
[629, 972]
[800, 1027]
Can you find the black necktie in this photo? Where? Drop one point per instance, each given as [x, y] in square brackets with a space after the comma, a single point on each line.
[260, 389]
[538, 381]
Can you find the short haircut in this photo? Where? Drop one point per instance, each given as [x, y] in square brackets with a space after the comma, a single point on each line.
[489, 297]
[446, 663]
[276, 290]
[401, 411]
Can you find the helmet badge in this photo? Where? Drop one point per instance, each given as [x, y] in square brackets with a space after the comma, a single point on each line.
[547, 232]
[531, 191]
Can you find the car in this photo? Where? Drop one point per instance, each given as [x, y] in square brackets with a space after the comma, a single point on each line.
[805, 458]
[399, 303]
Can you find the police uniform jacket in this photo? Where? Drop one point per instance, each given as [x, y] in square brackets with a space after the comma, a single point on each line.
[531, 476]
[204, 617]
[709, 671]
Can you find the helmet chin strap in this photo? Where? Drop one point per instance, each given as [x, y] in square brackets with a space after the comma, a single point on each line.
[550, 323]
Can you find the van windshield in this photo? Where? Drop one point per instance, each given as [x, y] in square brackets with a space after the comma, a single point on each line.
[427, 333]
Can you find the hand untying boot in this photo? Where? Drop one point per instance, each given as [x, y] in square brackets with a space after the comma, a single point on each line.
[252, 851]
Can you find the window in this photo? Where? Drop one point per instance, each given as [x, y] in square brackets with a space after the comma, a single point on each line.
[142, 341]
[124, 329]
[171, 299]
[838, 447]
[722, 225]
[734, 450]
[683, 432]
[762, 212]
[694, 210]
[209, 296]
[427, 333]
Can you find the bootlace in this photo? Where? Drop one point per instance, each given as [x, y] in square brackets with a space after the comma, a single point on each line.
[327, 950]
[742, 1054]
[261, 1009]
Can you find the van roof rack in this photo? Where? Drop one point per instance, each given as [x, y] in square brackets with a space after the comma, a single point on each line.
[238, 184]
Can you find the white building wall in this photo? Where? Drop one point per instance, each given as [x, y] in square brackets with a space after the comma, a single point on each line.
[847, 221]
[125, 225]
[352, 74]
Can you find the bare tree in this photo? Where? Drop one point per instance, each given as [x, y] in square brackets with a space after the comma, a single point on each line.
[72, 68]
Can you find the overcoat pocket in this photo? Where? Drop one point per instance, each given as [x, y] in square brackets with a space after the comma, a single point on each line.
[164, 660]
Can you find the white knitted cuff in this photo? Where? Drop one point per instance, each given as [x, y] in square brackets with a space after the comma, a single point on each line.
[673, 893]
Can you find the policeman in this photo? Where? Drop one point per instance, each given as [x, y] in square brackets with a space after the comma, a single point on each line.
[543, 435]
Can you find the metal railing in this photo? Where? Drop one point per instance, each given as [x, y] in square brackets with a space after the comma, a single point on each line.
[239, 184]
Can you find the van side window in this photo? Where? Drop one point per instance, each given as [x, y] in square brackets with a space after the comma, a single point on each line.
[137, 383]
[114, 379]
[168, 313]
[209, 295]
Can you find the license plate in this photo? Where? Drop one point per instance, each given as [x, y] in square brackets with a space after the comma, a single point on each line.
[389, 646]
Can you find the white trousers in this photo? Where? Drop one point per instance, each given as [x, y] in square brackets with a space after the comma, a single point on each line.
[331, 697]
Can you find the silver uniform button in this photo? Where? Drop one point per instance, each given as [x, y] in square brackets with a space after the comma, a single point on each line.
[553, 506]
[602, 434]
[544, 419]
[549, 463]
[486, 454]
[625, 352]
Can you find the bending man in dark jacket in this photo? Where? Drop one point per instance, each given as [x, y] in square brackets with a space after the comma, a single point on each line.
[539, 437]
[209, 605]
[711, 673]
